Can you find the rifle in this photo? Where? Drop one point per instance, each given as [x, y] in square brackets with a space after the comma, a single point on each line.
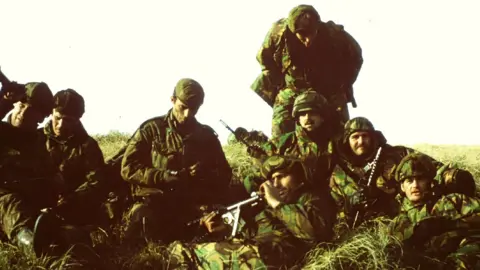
[369, 183]
[231, 214]
[242, 140]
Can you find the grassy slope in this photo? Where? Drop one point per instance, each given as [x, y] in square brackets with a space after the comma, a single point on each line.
[363, 249]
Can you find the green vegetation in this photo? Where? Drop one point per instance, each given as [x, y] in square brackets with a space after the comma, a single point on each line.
[368, 247]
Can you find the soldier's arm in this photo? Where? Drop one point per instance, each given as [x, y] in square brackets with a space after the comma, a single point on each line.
[271, 79]
[17, 138]
[137, 165]
[310, 219]
[351, 53]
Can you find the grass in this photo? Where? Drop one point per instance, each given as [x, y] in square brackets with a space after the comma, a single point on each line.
[368, 247]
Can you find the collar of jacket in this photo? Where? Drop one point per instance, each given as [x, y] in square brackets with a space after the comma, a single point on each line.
[79, 134]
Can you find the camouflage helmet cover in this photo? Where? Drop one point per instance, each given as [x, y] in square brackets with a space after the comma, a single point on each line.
[309, 100]
[415, 165]
[39, 95]
[280, 163]
[303, 18]
[69, 102]
[357, 124]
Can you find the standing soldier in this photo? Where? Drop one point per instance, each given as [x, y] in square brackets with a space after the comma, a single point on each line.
[175, 165]
[435, 224]
[301, 52]
[363, 181]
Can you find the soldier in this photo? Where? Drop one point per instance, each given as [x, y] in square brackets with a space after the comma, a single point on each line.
[253, 137]
[301, 52]
[175, 165]
[291, 222]
[78, 159]
[26, 173]
[363, 182]
[434, 224]
[316, 127]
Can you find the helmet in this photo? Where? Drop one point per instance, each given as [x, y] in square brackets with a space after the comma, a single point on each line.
[415, 165]
[309, 101]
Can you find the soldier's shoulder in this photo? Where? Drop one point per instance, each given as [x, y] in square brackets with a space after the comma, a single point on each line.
[156, 121]
[208, 131]
[278, 28]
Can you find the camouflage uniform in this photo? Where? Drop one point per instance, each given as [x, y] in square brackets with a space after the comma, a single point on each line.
[274, 238]
[313, 148]
[80, 161]
[26, 171]
[350, 176]
[330, 66]
[154, 164]
[445, 226]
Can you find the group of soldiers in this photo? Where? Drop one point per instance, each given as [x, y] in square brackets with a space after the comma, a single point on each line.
[319, 169]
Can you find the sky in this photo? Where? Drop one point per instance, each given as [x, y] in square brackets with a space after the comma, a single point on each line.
[418, 84]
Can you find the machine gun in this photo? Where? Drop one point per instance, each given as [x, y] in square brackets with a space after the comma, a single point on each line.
[231, 214]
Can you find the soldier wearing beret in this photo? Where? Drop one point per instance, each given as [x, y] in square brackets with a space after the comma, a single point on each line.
[175, 165]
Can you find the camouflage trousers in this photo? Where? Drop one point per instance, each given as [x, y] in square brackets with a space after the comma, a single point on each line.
[215, 255]
[15, 213]
[283, 121]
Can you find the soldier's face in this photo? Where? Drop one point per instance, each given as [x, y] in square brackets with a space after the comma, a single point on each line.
[286, 183]
[182, 113]
[306, 38]
[310, 120]
[25, 116]
[63, 125]
[360, 143]
[415, 188]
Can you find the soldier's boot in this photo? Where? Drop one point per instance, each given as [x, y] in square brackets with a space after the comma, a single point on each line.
[24, 241]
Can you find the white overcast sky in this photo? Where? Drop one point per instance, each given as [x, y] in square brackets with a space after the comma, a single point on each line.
[419, 82]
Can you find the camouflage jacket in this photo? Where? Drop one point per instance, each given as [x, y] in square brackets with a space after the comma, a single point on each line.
[26, 167]
[288, 231]
[333, 62]
[439, 225]
[157, 148]
[347, 179]
[80, 160]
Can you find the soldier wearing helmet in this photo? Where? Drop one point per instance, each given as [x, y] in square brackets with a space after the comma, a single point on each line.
[78, 158]
[316, 126]
[432, 223]
[301, 52]
[288, 223]
[26, 172]
[362, 181]
[175, 165]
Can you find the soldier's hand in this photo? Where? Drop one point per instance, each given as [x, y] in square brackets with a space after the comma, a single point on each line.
[13, 92]
[272, 194]
[213, 222]
[359, 198]
[194, 169]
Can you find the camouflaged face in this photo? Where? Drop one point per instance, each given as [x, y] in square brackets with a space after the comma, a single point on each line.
[189, 92]
[69, 102]
[415, 165]
[303, 18]
[39, 95]
[309, 101]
